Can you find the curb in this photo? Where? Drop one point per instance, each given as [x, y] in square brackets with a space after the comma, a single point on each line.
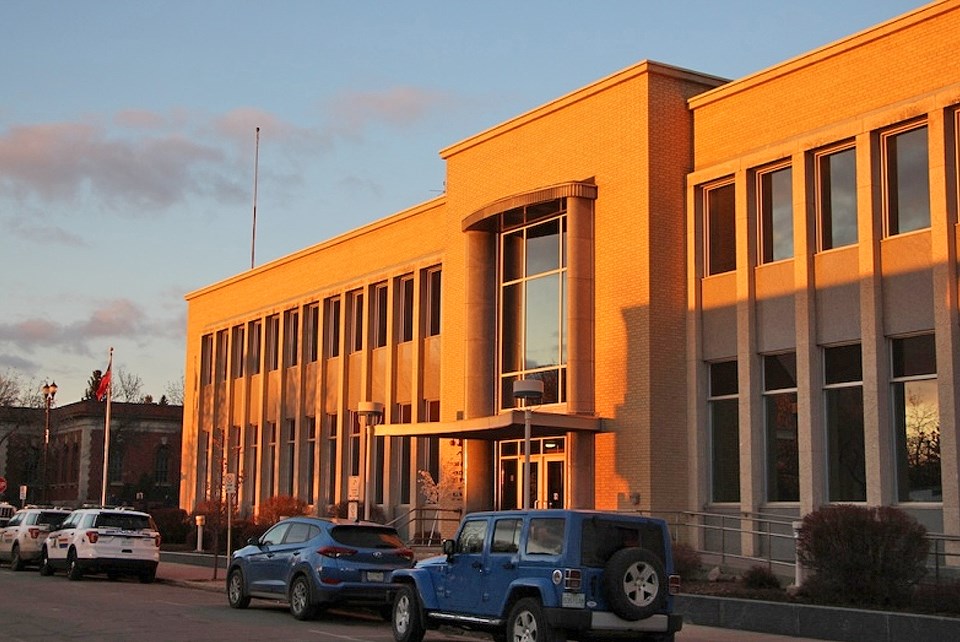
[822, 622]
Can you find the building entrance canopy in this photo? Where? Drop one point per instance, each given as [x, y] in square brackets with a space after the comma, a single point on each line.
[506, 425]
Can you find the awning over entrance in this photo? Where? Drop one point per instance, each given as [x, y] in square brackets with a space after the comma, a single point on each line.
[506, 425]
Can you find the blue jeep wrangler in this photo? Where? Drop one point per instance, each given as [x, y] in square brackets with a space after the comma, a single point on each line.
[545, 576]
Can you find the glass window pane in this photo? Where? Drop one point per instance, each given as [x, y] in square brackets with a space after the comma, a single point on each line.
[512, 317]
[721, 228]
[914, 356]
[780, 371]
[846, 465]
[512, 257]
[542, 325]
[725, 438]
[776, 209]
[723, 379]
[843, 364]
[917, 419]
[783, 464]
[838, 199]
[908, 182]
[543, 247]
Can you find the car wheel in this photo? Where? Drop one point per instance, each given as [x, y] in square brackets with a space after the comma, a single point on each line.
[73, 567]
[407, 621]
[301, 604]
[635, 583]
[235, 593]
[148, 576]
[527, 623]
[45, 568]
[16, 563]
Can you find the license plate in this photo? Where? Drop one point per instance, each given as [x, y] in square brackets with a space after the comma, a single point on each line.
[375, 576]
[573, 600]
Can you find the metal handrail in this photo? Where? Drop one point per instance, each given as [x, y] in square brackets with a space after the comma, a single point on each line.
[435, 516]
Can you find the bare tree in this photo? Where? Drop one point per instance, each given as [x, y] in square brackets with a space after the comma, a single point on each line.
[16, 391]
[126, 386]
[174, 392]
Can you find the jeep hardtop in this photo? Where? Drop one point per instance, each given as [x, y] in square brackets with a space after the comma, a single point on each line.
[545, 575]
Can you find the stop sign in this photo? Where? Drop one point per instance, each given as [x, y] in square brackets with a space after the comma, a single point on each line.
[3, 484]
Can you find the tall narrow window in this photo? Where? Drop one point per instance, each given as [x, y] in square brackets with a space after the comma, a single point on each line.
[721, 228]
[379, 315]
[332, 314]
[223, 349]
[403, 448]
[780, 414]
[533, 301]
[291, 337]
[206, 359]
[161, 466]
[331, 435]
[251, 469]
[311, 458]
[907, 180]
[356, 321]
[916, 415]
[837, 198]
[776, 214]
[405, 305]
[237, 345]
[724, 410]
[311, 332]
[270, 458]
[233, 450]
[273, 342]
[289, 456]
[430, 446]
[355, 445]
[432, 305]
[843, 392]
[254, 342]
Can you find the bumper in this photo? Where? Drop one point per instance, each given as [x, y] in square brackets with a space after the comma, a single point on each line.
[608, 623]
[361, 594]
[120, 565]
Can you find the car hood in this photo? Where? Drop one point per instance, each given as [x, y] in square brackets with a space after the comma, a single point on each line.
[436, 560]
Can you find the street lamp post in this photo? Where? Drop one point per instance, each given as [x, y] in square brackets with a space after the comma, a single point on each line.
[372, 413]
[527, 390]
[49, 393]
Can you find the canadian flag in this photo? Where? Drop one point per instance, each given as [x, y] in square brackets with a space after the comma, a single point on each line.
[104, 386]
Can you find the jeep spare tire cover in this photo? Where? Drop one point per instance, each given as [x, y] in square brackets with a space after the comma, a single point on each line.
[634, 583]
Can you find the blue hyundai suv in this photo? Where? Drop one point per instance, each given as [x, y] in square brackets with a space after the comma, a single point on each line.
[545, 575]
[314, 562]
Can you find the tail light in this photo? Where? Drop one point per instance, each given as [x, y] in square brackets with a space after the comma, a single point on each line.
[674, 584]
[93, 536]
[406, 554]
[336, 552]
[572, 579]
[156, 539]
[34, 533]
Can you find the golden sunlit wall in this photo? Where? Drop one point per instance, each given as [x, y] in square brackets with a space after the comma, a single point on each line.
[891, 282]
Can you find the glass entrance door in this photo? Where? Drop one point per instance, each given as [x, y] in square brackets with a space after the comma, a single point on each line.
[547, 473]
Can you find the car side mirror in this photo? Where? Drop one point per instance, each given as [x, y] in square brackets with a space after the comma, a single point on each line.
[449, 547]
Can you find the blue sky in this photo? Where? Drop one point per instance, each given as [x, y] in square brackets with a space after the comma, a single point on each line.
[127, 135]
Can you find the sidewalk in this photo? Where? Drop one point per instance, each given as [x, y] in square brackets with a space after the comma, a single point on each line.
[194, 570]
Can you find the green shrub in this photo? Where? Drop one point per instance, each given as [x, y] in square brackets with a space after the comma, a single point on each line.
[686, 561]
[868, 556]
[760, 577]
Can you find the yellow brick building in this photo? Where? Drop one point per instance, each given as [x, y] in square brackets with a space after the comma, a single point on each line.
[739, 296]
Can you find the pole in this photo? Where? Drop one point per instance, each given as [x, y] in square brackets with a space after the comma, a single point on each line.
[106, 433]
[46, 440]
[256, 176]
[526, 456]
[367, 499]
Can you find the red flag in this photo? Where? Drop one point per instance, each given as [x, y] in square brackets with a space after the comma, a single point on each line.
[104, 384]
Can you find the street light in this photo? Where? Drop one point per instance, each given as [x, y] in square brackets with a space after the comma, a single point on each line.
[527, 390]
[49, 393]
[372, 413]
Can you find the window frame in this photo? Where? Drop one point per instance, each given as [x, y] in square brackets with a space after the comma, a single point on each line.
[823, 208]
[827, 387]
[766, 210]
[712, 399]
[709, 259]
[887, 197]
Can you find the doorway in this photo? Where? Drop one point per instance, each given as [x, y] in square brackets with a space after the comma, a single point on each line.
[547, 473]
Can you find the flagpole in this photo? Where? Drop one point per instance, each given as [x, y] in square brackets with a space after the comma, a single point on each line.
[106, 432]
